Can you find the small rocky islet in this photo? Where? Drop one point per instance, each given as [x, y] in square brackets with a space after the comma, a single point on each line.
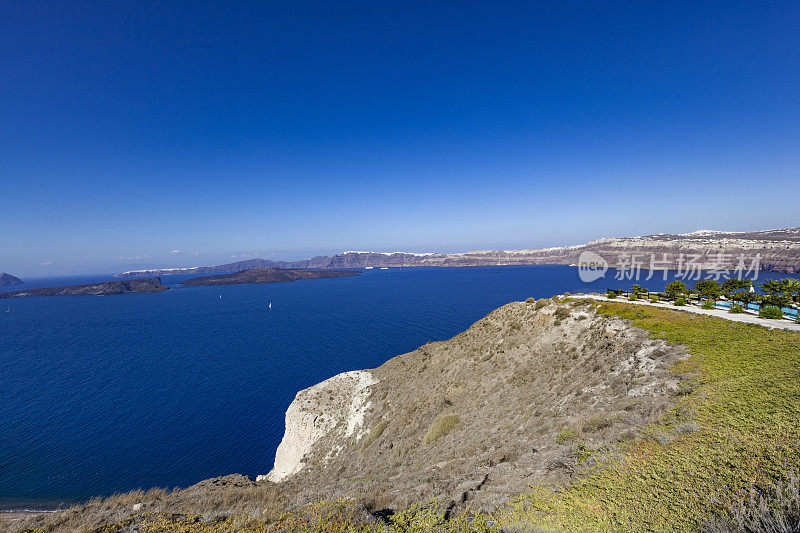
[7, 279]
[268, 275]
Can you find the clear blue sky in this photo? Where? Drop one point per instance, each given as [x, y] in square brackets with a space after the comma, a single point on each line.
[136, 129]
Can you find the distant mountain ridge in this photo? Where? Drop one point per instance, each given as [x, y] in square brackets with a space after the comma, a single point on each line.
[779, 251]
[238, 266]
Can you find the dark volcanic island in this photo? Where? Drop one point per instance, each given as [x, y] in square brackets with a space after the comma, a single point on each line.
[96, 289]
[8, 279]
[268, 275]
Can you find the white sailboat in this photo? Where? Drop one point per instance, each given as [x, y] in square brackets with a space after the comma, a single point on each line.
[270, 305]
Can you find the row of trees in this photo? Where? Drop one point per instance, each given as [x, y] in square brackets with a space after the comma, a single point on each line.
[779, 293]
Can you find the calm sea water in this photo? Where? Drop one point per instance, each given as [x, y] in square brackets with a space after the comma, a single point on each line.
[109, 394]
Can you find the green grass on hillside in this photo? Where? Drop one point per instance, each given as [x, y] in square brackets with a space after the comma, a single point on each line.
[441, 427]
[745, 407]
[375, 433]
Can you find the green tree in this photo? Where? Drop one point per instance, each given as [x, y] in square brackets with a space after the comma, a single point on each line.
[792, 288]
[747, 297]
[735, 284]
[708, 289]
[772, 286]
[778, 299]
[731, 288]
[638, 289]
[777, 293]
[675, 289]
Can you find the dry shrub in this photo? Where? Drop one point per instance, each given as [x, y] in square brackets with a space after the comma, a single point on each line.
[776, 510]
[562, 313]
[441, 427]
[374, 433]
[232, 496]
[596, 423]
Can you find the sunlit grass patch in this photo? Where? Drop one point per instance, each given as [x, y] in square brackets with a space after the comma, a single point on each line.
[745, 433]
[441, 427]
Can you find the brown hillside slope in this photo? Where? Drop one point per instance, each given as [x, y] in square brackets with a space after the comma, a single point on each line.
[478, 418]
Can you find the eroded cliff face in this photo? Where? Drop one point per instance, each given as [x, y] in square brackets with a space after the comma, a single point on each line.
[532, 393]
[779, 251]
[331, 409]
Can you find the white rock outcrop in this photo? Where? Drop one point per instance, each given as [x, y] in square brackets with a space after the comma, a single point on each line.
[333, 408]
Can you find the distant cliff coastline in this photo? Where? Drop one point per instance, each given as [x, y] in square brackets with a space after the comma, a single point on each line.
[779, 251]
[95, 289]
[268, 275]
[8, 279]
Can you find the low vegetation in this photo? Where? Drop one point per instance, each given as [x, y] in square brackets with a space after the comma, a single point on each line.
[441, 427]
[541, 303]
[566, 435]
[375, 433]
[773, 509]
[770, 311]
[745, 435]
[221, 504]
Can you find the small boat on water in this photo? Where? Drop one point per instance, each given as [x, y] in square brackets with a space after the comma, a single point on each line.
[270, 305]
[9, 310]
[220, 297]
[368, 268]
[384, 268]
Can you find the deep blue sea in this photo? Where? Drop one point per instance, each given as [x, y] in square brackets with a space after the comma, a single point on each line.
[104, 394]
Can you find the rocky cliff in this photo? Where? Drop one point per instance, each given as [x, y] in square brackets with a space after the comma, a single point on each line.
[779, 251]
[94, 289]
[478, 418]
[8, 279]
[336, 404]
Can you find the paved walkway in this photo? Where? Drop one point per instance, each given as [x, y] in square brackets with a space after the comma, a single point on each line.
[720, 313]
